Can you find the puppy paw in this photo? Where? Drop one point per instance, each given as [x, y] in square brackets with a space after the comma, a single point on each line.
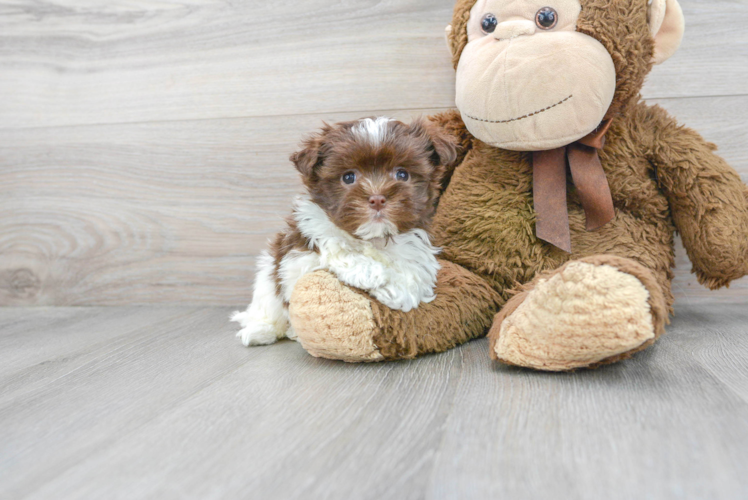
[243, 318]
[257, 332]
[291, 334]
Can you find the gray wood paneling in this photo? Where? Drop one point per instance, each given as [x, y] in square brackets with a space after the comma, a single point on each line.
[143, 213]
[72, 62]
[179, 409]
[144, 146]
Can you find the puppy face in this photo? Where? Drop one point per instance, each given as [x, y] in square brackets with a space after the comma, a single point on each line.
[376, 177]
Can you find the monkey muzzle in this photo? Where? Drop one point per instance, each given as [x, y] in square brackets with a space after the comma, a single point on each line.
[534, 93]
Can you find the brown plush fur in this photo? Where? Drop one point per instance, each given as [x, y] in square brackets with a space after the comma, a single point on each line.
[659, 182]
[485, 220]
[463, 310]
[663, 178]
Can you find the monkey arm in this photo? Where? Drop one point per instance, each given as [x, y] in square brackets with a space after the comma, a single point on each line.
[338, 322]
[451, 122]
[708, 201]
[463, 310]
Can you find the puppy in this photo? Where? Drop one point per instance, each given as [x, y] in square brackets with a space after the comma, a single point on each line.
[372, 187]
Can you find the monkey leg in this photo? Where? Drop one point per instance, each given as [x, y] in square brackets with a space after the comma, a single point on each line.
[337, 322]
[589, 312]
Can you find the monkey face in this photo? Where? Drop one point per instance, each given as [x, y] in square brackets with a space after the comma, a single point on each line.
[527, 80]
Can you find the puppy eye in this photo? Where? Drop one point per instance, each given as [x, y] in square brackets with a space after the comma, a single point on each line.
[349, 177]
[488, 23]
[402, 175]
[546, 18]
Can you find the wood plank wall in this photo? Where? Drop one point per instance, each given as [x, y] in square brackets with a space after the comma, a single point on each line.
[144, 145]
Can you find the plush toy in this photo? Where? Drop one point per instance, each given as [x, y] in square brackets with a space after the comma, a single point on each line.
[558, 220]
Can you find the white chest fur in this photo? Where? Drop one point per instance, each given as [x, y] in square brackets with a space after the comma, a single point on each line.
[400, 272]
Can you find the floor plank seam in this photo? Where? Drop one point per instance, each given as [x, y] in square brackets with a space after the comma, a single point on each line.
[437, 452]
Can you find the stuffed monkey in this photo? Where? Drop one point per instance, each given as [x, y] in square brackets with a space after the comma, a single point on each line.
[557, 222]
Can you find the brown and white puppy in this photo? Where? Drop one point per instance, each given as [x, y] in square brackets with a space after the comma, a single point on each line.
[372, 187]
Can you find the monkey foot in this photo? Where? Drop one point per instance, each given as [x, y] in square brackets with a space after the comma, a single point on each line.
[589, 312]
[332, 321]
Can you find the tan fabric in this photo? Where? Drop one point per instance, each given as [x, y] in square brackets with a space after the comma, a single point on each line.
[667, 25]
[535, 92]
[585, 313]
[580, 316]
[621, 27]
[334, 321]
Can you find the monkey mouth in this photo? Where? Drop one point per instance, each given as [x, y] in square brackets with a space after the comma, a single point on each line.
[524, 116]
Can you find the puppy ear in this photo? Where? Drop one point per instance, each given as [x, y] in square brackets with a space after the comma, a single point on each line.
[441, 146]
[308, 158]
[311, 156]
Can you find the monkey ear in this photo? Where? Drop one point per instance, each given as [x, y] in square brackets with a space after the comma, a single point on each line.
[448, 38]
[667, 24]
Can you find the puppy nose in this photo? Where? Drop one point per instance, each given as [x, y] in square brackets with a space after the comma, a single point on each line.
[377, 201]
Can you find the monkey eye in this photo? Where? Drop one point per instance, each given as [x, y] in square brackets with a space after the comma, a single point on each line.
[488, 23]
[349, 177]
[546, 18]
[402, 175]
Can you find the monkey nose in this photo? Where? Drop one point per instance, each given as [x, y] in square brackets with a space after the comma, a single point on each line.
[513, 29]
[377, 202]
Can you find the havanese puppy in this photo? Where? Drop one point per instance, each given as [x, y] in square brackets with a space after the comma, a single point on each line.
[372, 187]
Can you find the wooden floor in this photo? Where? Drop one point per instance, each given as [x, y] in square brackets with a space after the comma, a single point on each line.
[127, 402]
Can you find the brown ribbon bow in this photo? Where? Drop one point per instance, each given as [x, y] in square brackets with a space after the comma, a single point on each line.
[549, 187]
